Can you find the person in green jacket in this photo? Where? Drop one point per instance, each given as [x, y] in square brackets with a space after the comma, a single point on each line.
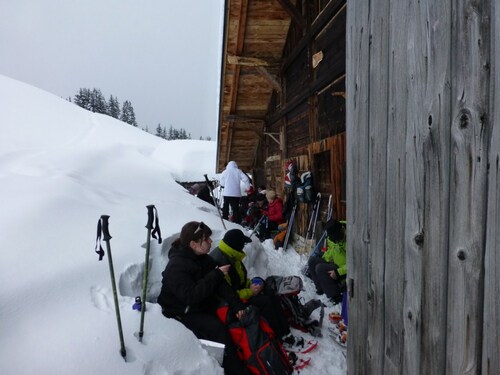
[329, 271]
[251, 291]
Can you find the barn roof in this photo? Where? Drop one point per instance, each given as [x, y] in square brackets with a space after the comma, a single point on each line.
[254, 38]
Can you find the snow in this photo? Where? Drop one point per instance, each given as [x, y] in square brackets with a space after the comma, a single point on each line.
[61, 168]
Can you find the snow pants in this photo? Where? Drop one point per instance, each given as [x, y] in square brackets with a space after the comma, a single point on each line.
[208, 326]
[318, 268]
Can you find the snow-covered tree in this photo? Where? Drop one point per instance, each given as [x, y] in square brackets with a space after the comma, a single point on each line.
[113, 107]
[159, 131]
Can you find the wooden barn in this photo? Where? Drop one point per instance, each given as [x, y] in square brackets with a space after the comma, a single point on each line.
[283, 96]
[413, 85]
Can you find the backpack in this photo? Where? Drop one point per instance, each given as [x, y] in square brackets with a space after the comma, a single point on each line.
[256, 344]
[297, 313]
[291, 174]
[305, 191]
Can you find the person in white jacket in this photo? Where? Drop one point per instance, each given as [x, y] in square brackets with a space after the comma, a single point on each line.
[230, 181]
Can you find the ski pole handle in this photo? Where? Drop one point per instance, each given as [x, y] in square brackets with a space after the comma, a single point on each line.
[105, 228]
[150, 208]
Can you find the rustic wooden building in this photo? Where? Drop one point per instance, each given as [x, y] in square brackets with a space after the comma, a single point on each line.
[283, 95]
[413, 83]
[423, 130]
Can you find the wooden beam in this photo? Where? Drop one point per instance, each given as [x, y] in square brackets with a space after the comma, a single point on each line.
[242, 25]
[246, 61]
[238, 118]
[293, 12]
[269, 78]
[272, 135]
[259, 65]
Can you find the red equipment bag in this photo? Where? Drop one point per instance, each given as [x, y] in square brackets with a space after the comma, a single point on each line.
[256, 343]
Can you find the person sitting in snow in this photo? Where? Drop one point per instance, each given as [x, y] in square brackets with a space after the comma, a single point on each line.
[192, 287]
[254, 211]
[253, 291]
[329, 271]
[202, 191]
[274, 213]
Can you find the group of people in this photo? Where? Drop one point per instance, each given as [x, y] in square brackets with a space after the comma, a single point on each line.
[248, 209]
[196, 282]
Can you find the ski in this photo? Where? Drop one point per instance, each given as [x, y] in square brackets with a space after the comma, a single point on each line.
[311, 229]
[340, 340]
[302, 347]
[289, 227]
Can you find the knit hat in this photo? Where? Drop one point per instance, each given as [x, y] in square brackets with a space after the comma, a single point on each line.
[334, 230]
[260, 197]
[236, 239]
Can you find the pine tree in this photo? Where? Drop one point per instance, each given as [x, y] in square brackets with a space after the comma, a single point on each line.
[159, 131]
[125, 116]
[132, 122]
[82, 99]
[97, 102]
[113, 107]
[128, 114]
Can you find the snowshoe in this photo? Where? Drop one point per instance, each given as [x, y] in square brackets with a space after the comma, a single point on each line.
[340, 340]
[298, 362]
[300, 345]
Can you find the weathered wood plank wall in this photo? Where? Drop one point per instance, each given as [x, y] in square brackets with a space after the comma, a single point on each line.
[491, 323]
[423, 143]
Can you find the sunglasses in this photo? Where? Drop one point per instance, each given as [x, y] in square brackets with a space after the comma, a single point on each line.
[201, 227]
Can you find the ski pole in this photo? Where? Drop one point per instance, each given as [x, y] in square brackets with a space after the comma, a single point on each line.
[289, 228]
[318, 202]
[328, 216]
[151, 233]
[102, 229]
[257, 226]
[215, 201]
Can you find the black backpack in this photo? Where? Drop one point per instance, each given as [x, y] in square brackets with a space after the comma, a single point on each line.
[256, 343]
[297, 313]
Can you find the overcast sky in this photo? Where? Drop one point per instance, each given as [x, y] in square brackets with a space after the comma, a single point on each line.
[162, 55]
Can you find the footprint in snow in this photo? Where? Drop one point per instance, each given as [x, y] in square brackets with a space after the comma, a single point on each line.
[100, 298]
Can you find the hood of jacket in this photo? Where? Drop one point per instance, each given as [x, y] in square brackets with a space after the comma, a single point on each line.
[232, 165]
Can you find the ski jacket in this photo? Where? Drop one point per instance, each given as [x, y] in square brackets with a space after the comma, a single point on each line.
[231, 178]
[275, 211]
[192, 283]
[336, 253]
[237, 275]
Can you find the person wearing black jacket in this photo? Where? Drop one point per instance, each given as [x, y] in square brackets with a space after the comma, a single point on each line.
[193, 286]
[230, 251]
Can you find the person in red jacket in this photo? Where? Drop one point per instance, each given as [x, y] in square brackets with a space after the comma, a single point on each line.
[274, 213]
